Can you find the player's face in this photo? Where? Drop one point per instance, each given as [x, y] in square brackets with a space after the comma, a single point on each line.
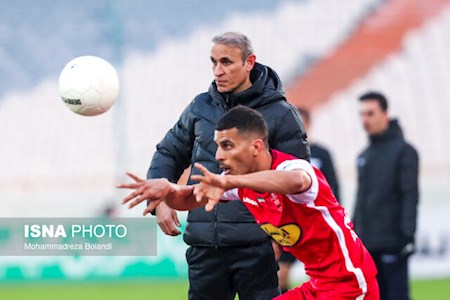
[234, 152]
[231, 74]
[373, 118]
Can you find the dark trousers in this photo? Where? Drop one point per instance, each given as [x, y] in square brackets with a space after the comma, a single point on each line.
[392, 275]
[220, 273]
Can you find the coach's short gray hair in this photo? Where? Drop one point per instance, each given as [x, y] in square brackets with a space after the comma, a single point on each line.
[235, 39]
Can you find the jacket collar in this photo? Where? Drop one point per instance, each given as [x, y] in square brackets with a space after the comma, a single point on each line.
[392, 132]
[266, 87]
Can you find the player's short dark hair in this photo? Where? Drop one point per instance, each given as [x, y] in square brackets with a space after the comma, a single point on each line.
[245, 120]
[371, 96]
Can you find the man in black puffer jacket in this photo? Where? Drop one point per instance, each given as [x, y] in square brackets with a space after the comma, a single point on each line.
[386, 205]
[228, 252]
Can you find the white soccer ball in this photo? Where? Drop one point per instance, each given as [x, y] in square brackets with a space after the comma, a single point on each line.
[89, 85]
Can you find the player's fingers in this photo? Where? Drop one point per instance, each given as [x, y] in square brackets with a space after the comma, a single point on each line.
[138, 192]
[201, 168]
[151, 207]
[199, 195]
[137, 201]
[129, 197]
[198, 178]
[196, 189]
[127, 186]
[199, 192]
[210, 205]
[134, 177]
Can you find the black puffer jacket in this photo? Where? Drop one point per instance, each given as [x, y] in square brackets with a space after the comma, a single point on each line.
[386, 205]
[191, 140]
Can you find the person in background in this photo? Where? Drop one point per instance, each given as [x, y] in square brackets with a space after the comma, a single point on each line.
[385, 213]
[321, 159]
[320, 156]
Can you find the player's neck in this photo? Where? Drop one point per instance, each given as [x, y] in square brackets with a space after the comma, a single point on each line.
[264, 162]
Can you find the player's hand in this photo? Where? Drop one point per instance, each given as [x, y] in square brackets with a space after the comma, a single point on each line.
[209, 178]
[153, 190]
[167, 219]
[210, 188]
[207, 194]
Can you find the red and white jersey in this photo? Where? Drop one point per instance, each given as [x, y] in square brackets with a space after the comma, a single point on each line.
[312, 226]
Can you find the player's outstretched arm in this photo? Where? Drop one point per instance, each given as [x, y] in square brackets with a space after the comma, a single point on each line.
[269, 181]
[156, 190]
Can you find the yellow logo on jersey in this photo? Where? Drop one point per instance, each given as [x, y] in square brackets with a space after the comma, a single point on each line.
[286, 235]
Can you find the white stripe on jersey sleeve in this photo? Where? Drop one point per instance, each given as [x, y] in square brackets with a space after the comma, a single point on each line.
[230, 195]
[309, 195]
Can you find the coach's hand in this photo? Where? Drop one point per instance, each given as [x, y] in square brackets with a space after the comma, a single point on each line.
[277, 250]
[167, 219]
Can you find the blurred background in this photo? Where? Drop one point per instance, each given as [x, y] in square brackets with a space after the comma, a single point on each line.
[55, 163]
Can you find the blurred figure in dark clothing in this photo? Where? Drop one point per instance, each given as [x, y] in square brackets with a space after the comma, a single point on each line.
[321, 159]
[385, 214]
[320, 156]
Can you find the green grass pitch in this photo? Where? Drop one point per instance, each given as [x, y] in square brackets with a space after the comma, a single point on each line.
[157, 290]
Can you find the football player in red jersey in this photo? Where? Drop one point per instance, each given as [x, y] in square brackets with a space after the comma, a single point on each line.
[289, 198]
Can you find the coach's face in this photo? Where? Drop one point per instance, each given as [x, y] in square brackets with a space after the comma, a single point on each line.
[235, 152]
[373, 118]
[231, 74]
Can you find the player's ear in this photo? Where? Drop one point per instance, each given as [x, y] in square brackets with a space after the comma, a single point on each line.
[258, 146]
